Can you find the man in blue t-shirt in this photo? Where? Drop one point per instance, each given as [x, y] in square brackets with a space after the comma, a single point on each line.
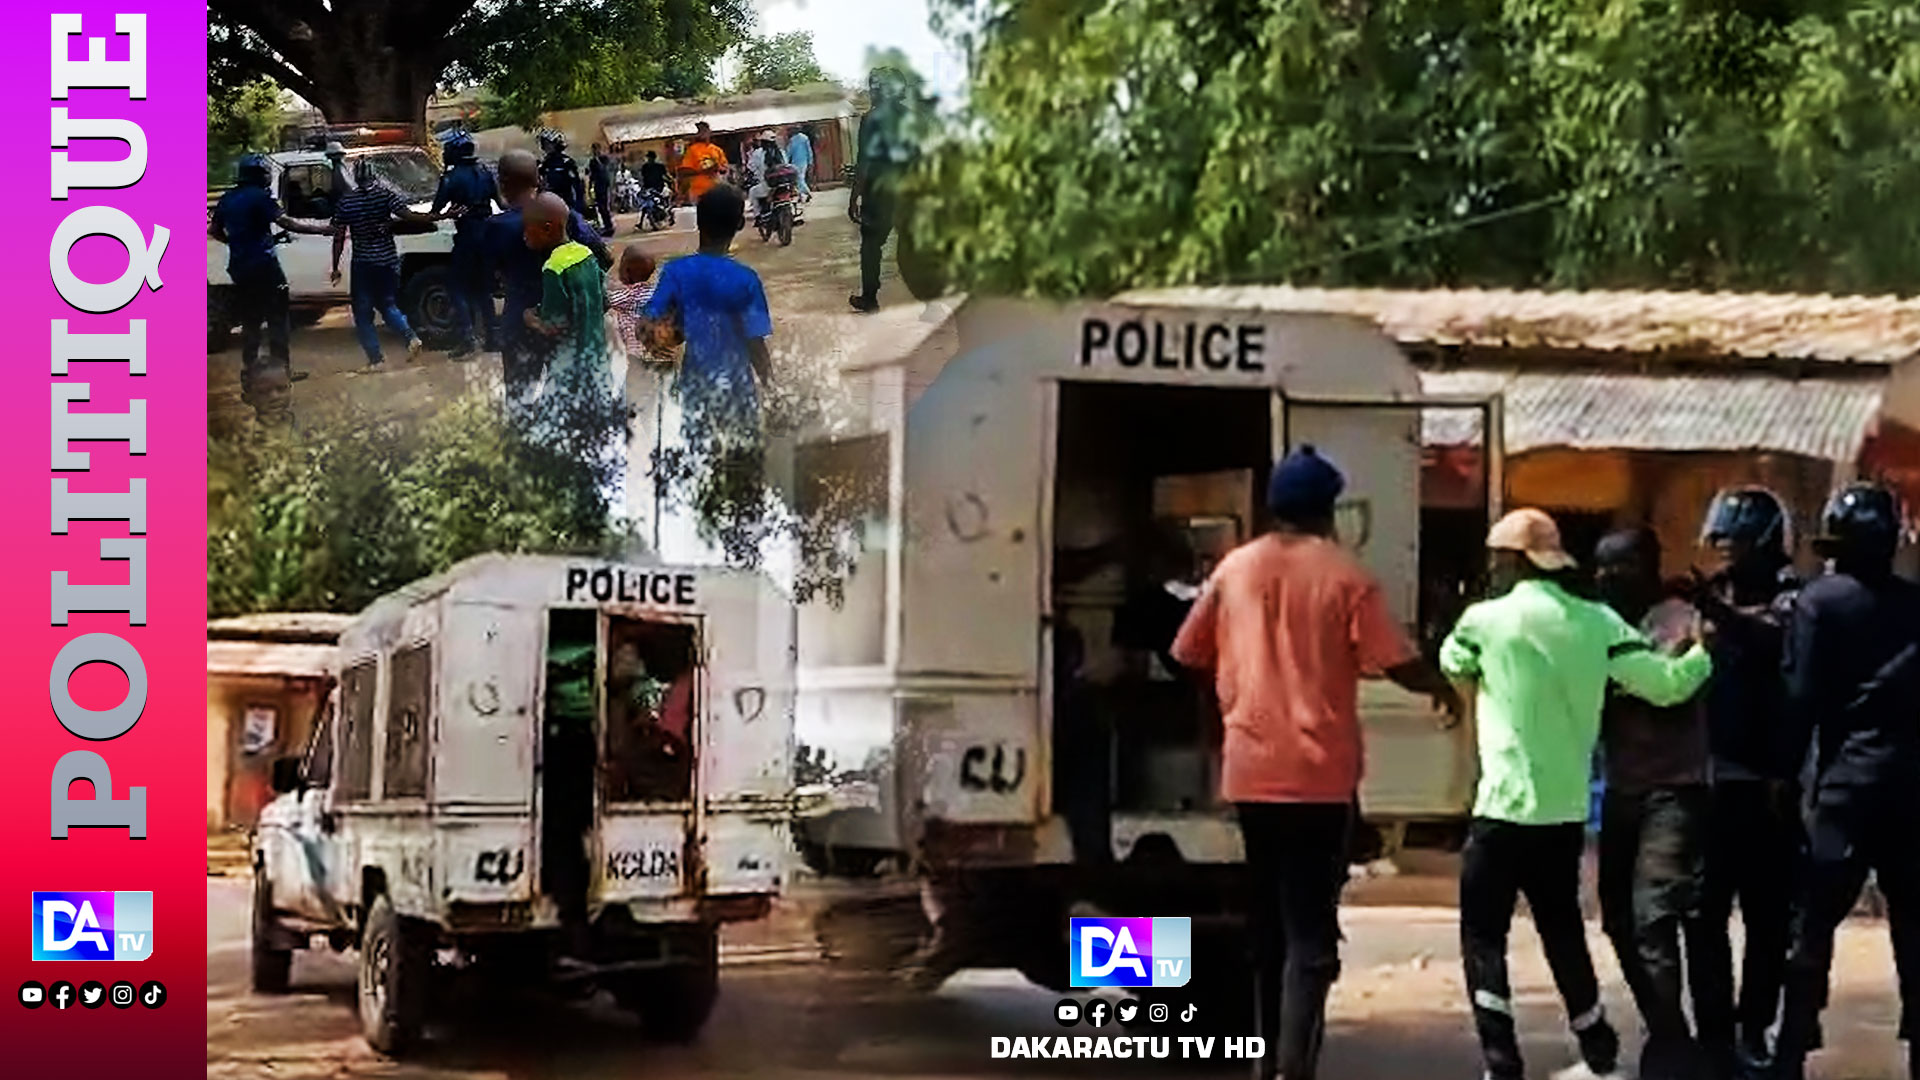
[721, 309]
[523, 354]
[244, 220]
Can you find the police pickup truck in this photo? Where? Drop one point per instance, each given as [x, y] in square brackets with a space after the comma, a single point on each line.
[302, 181]
[538, 769]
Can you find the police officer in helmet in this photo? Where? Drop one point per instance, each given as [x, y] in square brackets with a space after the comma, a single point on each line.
[559, 173]
[467, 194]
[1752, 827]
[245, 219]
[1853, 681]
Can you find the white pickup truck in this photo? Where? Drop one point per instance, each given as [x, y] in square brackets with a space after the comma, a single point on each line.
[302, 180]
[527, 736]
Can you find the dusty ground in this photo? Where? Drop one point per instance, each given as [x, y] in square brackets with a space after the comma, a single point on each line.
[1399, 1011]
[807, 285]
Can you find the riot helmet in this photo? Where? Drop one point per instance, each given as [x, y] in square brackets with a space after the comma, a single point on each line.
[1863, 522]
[1751, 523]
[552, 141]
[253, 169]
[459, 148]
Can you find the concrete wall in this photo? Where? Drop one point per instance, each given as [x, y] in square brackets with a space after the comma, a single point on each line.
[239, 782]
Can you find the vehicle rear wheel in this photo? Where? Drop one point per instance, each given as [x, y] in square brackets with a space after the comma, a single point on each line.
[427, 299]
[674, 1003]
[272, 967]
[784, 217]
[396, 966]
[219, 319]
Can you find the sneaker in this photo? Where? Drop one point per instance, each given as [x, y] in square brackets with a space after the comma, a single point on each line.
[865, 305]
[1599, 1047]
[413, 349]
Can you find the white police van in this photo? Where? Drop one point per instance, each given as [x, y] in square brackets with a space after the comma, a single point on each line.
[1042, 469]
[538, 768]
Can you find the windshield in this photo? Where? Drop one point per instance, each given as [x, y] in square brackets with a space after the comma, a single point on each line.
[410, 172]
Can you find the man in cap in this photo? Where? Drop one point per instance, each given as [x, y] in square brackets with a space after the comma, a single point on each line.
[1653, 814]
[342, 182]
[1289, 624]
[1853, 677]
[1540, 660]
[1753, 825]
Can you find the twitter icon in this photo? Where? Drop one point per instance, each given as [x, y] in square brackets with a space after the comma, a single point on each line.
[92, 994]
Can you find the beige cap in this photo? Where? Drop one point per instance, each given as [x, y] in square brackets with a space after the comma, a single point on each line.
[1533, 534]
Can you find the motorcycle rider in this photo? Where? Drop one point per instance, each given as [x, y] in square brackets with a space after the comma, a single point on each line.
[653, 174]
[1752, 825]
[244, 220]
[560, 174]
[1853, 674]
[764, 157]
[467, 194]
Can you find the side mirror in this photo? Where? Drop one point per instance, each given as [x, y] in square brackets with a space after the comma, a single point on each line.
[286, 775]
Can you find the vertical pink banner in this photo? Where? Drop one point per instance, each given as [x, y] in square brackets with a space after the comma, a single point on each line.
[163, 750]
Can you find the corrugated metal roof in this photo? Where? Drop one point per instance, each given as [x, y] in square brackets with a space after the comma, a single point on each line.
[1759, 326]
[1820, 418]
[268, 659]
[764, 116]
[287, 626]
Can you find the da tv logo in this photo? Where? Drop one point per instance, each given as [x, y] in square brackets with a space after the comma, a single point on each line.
[1131, 952]
[92, 925]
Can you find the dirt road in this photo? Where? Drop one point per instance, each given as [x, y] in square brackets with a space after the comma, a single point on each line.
[1398, 1012]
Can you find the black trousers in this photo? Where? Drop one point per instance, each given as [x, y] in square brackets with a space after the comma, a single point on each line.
[1753, 845]
[261, 301]
[603, 203]
[1296, 867]
[876, 224]
[1651, 867]
[1502, 862]
[1849, 834]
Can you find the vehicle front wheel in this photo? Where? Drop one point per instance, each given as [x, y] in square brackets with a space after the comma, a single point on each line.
[396, 965]
[272, 967]
[674, 1003]
[427, 299]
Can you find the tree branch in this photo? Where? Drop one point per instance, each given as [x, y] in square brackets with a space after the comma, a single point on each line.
[260, 63]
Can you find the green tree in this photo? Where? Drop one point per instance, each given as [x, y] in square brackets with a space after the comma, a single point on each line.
[780, 62]
[362, 60]
[1582, 143]
[239, 119]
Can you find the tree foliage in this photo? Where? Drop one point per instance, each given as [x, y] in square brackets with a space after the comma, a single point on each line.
[380, 60]
[335, 516]
[1632, 143]
[779, 62]
[239, 119]
[536, 58]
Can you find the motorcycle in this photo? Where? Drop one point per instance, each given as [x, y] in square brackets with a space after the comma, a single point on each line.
[779, 212]
[656, 211]
[626, 193]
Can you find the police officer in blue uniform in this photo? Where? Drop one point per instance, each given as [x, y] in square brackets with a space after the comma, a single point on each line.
[244, 219]
[467, 194]
[560, 174]
[1853, 680]
[1752, 827]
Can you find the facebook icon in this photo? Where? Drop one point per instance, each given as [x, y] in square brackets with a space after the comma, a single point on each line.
[92, 925]
[1130, 952]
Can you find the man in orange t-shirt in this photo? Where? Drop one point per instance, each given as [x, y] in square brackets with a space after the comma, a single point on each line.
[703, 164]
[1289, 624]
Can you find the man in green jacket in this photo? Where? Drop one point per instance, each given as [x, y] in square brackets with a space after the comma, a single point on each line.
[1540, 660]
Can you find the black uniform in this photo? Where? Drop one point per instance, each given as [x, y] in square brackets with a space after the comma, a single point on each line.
[560, 174]
[1853, 680]
[1752, 828]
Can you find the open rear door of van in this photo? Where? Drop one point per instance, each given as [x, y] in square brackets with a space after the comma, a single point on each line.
[1424, 480]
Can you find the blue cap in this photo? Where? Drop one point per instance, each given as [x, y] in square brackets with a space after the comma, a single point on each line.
[1304, 485]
